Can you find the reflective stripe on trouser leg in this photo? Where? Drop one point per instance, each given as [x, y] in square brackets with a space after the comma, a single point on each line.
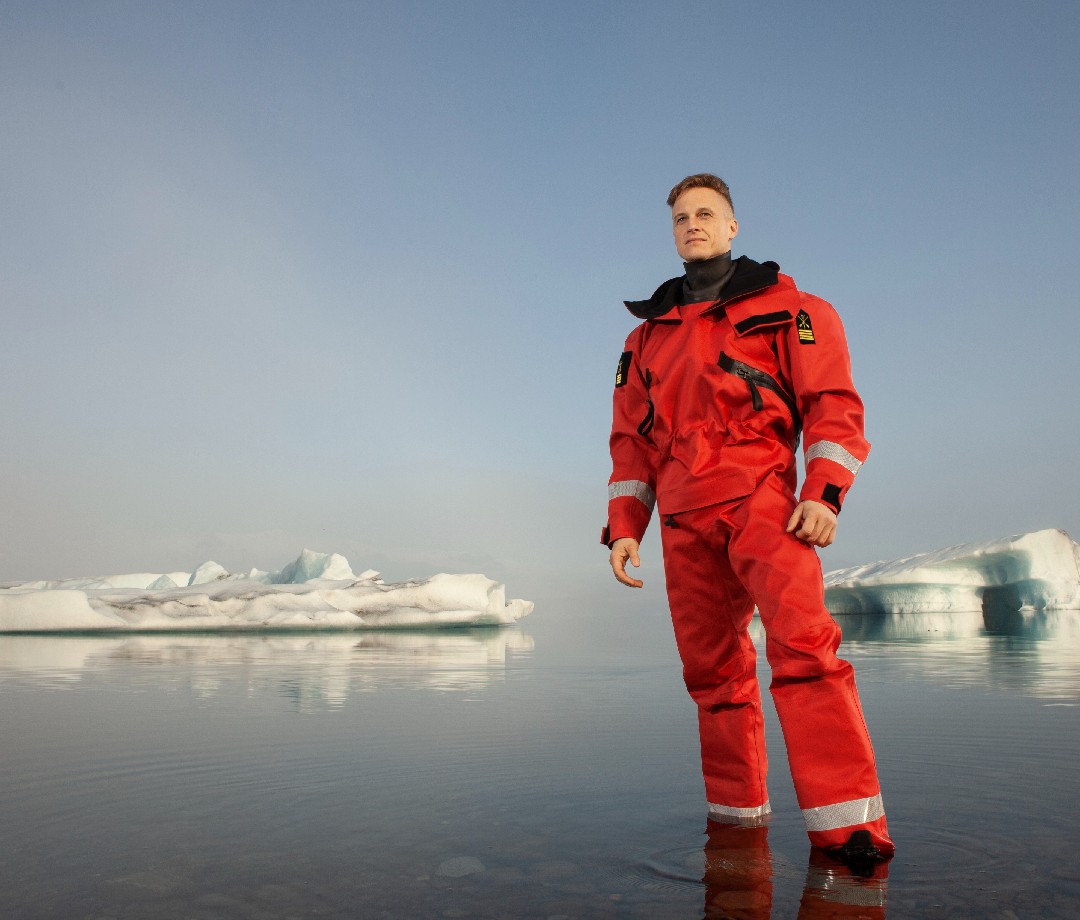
[711, 613]
[843, 814]
[747, 817]
[829, 749]
[830, 825]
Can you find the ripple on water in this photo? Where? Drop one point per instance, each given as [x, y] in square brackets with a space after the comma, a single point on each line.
[942, 856]
[941, 861]
[683, 869]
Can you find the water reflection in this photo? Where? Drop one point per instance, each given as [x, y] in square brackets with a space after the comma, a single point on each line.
[833, 891]
[740, 871]
[177, 781]
[316, 670]
[1033, 652]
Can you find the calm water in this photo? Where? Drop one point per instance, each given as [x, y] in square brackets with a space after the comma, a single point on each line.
[542, 773]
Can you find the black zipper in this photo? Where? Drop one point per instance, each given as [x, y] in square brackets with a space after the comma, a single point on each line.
[646, 423]
[755, 378]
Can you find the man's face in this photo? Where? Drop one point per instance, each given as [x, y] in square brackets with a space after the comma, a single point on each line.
[703, 224]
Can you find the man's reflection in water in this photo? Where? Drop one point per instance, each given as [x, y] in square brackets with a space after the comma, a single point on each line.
[738, 872]
[834, 891]
[738, 880]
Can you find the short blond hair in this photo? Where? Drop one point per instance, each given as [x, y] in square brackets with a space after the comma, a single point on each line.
[701, 180]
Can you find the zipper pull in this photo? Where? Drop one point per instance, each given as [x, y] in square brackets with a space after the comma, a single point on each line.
[755, 395]
[646, 423]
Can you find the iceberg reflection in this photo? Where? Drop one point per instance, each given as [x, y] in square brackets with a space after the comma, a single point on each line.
[1034, 652]
[321, 669]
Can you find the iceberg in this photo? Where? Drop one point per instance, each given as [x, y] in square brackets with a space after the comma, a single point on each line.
[316, 591]
[1027, 572]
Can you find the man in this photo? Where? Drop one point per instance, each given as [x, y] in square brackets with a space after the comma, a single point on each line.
[712, 390]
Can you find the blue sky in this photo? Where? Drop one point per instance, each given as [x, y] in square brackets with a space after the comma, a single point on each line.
[349, 275]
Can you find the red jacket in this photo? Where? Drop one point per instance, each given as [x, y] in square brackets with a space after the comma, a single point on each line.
[710, 397]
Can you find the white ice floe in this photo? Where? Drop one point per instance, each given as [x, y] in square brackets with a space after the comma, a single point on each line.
[315, 591]
[1034, 571]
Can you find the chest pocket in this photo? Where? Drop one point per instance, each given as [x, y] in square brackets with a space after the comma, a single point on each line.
[758, 380]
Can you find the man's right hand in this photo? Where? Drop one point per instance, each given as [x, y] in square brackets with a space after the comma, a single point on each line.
[623, 549]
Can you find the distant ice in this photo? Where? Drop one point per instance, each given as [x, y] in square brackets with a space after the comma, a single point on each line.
[1034, 571]
[314, 591]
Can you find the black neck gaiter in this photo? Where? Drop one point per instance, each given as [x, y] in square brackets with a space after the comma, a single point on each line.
[706, 279]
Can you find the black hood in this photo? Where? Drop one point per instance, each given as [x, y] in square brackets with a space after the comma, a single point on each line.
[749, 278]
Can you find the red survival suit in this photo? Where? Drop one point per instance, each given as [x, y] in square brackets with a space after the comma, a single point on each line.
[708, 405]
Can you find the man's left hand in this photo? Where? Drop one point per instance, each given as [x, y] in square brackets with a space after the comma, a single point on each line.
[813, 523]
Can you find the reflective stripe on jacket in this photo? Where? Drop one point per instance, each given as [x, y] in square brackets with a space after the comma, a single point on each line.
[710, 397]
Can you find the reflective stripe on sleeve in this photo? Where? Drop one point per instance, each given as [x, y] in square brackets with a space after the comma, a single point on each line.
[634, 488]
[751, 817]
[844, 814]
[830, 450]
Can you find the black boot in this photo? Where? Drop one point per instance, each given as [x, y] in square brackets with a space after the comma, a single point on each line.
[859, 854]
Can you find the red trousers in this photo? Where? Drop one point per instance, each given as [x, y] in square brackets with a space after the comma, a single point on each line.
[721, 561]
